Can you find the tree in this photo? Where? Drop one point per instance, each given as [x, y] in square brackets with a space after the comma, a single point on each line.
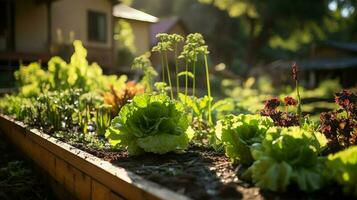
[246, 33]
[275, 23]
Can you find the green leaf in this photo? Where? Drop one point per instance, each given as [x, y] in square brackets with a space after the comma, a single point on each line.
[163, 143]
[271, 175]
[238, 133]
[342, 168]
[184, 73]
[288, 155]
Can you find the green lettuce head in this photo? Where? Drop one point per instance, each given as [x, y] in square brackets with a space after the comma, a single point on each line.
[238, 133]
[289, 155]
[150, 123]
[343, 168]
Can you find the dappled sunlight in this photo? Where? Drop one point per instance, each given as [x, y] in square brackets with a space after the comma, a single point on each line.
[157, 99]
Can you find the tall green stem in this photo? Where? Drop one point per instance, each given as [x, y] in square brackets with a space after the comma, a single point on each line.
[208, 91]
[194, 78]
[177, 77]
[299, 100]
[162, 67]
[168, 75]
[186, 76]
[149, 82]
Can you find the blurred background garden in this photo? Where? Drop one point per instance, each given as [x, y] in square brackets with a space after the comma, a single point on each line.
[120, 78]
[252, 43]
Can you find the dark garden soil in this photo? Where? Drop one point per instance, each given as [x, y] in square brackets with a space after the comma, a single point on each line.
[18, 179]
[201, 173]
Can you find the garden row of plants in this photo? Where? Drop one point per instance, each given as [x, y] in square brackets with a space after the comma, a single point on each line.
[279, 147]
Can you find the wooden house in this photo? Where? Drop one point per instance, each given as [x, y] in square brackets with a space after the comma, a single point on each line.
[167, 25]
[326, 60]
[36, 30]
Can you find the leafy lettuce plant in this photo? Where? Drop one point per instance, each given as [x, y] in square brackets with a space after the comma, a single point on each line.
[238, 133]
[286, 156]
[150, 123]
[343, 168]
[31, 79]
[61, 76]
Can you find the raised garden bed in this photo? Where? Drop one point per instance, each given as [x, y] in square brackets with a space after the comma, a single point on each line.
[83, 175]
[106, 175]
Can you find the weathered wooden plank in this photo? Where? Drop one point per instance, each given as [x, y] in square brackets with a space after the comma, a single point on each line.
[64, 175]
[114, 196]
[48, 162]
[110, 181]
[60, 192]
[82, 184]
[99, 191]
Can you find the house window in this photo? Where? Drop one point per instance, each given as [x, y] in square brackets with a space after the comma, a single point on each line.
[97, 26]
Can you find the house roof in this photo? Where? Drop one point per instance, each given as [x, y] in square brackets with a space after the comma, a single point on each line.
[126, 12]
[163, 26]
[350, 46]
[319, 63]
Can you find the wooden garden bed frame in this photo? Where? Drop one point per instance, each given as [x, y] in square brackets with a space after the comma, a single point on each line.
[80, 174]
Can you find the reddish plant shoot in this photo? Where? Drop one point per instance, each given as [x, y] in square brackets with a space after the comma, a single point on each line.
[295, 74]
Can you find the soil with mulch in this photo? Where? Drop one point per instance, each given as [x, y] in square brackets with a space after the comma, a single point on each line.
[201, 173]
[18, 179]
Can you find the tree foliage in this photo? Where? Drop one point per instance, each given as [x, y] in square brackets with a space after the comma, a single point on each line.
[257, 32]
